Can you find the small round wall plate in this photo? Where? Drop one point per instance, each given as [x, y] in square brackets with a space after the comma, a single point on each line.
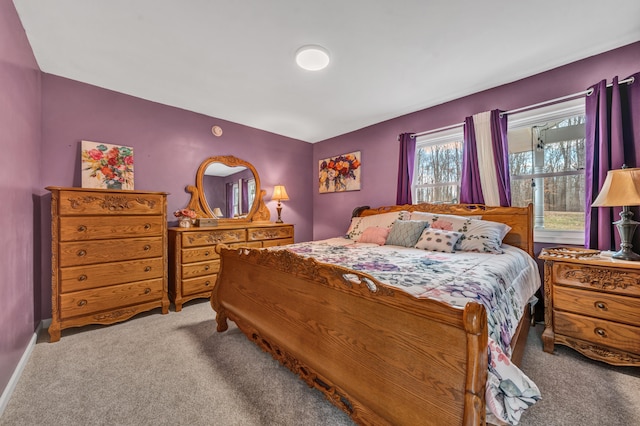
[217, 131]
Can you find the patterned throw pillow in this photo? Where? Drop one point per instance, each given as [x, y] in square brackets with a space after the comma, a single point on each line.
[478, 235]
[405, 233]
[375, 235]
[438, 240]
[384, 220]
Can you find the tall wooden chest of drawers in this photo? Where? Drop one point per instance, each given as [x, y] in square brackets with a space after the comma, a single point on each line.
[108, 255]
[194, 263]
[593, 306]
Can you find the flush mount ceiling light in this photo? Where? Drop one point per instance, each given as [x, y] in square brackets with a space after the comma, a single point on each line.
[312, 58]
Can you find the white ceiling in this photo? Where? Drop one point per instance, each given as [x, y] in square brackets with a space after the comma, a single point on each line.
[234, 60]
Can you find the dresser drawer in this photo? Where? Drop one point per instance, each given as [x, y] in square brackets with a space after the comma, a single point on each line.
[88, 252]
[97, 227]
[99, 299]
[279, 242]
[599, 332]
[599, 305]
[110, 203]
[205, 238]
[613, 280]
[77, 278]
[257, 234]
[198, 285]
[199, 254]
[192, 270]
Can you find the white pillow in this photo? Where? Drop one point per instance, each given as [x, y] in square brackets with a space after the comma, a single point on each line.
[478, 235]
[383, 220]
[438, 240]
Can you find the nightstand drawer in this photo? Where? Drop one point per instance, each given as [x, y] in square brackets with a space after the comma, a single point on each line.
[599, 332]
[599, 305]
[613, 280]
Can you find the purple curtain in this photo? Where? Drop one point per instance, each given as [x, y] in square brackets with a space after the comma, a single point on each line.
[612, 133]
[229, 212]
[470, 183]
[501, 156]
[245, 196]
[405, 168]
[470, 188]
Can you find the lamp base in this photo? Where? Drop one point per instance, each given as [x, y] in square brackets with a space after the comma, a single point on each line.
[626, 229]
[279, 209]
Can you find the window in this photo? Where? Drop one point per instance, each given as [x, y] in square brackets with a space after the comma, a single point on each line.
[546, 161]
[437, 167]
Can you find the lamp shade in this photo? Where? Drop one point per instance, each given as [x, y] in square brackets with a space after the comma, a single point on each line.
[217, 212]
[621, 188]
[279, 193]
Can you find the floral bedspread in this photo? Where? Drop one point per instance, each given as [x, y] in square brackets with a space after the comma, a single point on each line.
[503, 283]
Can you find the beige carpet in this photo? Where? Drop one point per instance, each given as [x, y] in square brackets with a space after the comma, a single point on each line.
[176, 369]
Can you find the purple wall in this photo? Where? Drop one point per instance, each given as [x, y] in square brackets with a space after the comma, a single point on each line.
[20, 111]
[169, 145]
[379, 145]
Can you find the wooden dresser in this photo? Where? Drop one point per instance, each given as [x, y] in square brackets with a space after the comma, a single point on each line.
[108, 256]
[194, 263]
[593, 306]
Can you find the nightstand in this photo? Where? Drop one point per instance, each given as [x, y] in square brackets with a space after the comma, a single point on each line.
[592, 304]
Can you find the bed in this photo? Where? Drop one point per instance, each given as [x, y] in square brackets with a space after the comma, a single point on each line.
[377, 351]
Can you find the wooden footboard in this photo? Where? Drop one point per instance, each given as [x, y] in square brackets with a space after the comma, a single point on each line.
[376, 352]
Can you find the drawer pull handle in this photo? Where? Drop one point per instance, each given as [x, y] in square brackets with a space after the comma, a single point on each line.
[82, 228]
[206, 268]
[82, 302]
[82, 277]
[206, 253]
[147, 269]
[147, 247]
[600, 332]
[207, 283]
[602, 306]
[81, 253]
[147, 226]
[147, 290]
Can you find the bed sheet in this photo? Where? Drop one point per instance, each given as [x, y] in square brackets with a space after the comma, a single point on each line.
[503, 283]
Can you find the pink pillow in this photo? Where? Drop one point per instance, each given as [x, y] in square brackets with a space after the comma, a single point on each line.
[375, 235]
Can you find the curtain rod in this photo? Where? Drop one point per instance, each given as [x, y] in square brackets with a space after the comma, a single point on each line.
[587, 92]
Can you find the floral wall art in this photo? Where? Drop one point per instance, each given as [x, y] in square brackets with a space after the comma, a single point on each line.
[341, 173]
[106, 166]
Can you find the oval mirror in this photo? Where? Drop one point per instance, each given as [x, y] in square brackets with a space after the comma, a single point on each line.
[228, 189]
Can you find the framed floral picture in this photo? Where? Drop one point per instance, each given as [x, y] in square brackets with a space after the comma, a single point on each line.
[106, 166]
[341, 173]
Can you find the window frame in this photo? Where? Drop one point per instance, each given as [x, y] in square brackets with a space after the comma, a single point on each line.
[535, 116]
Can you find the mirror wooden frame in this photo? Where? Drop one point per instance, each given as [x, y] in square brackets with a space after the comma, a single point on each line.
[258, 212]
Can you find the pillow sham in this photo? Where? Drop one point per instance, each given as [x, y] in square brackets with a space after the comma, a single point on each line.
[438, 240]
[405, 233]
[478, 235]
[375, 235]
[383, 220]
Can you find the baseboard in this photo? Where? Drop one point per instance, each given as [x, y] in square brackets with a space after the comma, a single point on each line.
[13, 381]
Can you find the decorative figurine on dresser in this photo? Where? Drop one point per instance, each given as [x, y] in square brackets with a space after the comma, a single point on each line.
[592, 304]
[108, 256]
[229, 209]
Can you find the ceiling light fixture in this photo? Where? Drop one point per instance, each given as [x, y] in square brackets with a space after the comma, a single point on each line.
[312, 58]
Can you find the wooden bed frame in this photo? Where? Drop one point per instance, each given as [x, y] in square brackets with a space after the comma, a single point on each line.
[381, 355]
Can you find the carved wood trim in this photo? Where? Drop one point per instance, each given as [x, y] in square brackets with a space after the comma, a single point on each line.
[601, 278]
[600, 353]
[111, 202]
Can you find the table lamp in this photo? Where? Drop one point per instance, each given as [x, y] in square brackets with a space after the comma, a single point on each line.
[217, 212]
[622, 188]
[279, 194]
